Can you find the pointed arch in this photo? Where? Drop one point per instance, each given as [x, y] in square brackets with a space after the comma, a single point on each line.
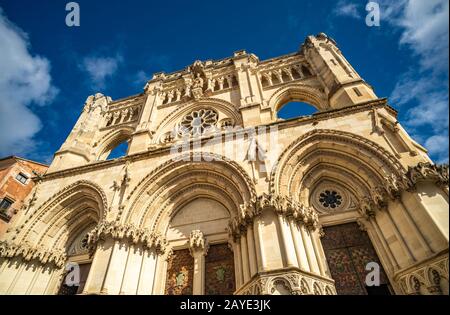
[343, 156]
[66, 212]
[158, 196]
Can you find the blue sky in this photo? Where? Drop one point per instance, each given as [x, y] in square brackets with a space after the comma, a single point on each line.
[47, 69]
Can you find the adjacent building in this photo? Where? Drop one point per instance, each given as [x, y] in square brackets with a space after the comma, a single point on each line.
[15, 184]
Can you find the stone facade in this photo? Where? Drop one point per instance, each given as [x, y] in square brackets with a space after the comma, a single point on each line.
[209, 163]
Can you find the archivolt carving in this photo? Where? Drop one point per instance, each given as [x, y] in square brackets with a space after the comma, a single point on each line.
[301, 165]
[336, 136]
[183, 196]
[217, 163]
[81, 186]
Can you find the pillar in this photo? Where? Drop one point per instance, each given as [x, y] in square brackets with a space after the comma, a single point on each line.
[198, 249]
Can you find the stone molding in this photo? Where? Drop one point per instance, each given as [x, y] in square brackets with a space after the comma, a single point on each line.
[56, 199]
[28, 253]
[422, 172]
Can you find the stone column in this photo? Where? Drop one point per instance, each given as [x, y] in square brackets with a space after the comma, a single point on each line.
[244, 256]
[116, 268]
[237, 264]
[198, 248]
[289, 249]
[132, 270]
[99, 266]
[299, 248]
[147, 273]
[251, 251]
[309, 250]
[262, 265]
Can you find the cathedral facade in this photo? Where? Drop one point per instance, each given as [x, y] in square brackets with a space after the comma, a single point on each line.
[218, 195]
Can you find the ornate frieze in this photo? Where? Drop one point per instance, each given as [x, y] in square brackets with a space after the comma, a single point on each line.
[29, 253]
[135, 235]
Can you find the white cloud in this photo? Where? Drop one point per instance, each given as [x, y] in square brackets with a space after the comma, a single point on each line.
[424, 26]
[346, 8]
[425, 30]
[25, 80]
[140, 78]
[100, 69]
[438, 144]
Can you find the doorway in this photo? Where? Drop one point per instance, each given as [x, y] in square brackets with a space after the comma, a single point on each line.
[348, 250]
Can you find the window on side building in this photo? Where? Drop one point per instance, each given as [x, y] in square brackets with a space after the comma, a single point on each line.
[21, 177]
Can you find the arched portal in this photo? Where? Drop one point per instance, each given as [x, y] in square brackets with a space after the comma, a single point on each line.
[217, 271]
[191, 202]
[40, 254]
[345, 179]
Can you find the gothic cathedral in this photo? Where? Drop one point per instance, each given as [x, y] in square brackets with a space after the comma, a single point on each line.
[217, 194]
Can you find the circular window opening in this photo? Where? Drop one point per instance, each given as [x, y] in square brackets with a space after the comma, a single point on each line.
[198, 122]
[330, 199]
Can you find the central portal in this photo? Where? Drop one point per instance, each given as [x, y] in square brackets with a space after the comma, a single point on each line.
[201, 261]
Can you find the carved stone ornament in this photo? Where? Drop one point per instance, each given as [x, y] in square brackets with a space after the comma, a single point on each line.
[423, 172]
[135, 235]
[29, 253]
[197, 242]
[198, 122]
[280, 205]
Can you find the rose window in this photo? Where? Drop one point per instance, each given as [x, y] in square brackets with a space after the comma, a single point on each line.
[330, 199]
[197, 122]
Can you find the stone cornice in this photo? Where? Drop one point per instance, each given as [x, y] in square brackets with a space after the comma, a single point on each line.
[29, 253]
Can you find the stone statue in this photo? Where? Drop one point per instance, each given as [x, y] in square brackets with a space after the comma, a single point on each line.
[198, 82]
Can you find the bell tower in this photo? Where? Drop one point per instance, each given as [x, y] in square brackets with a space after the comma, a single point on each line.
[342, 84]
